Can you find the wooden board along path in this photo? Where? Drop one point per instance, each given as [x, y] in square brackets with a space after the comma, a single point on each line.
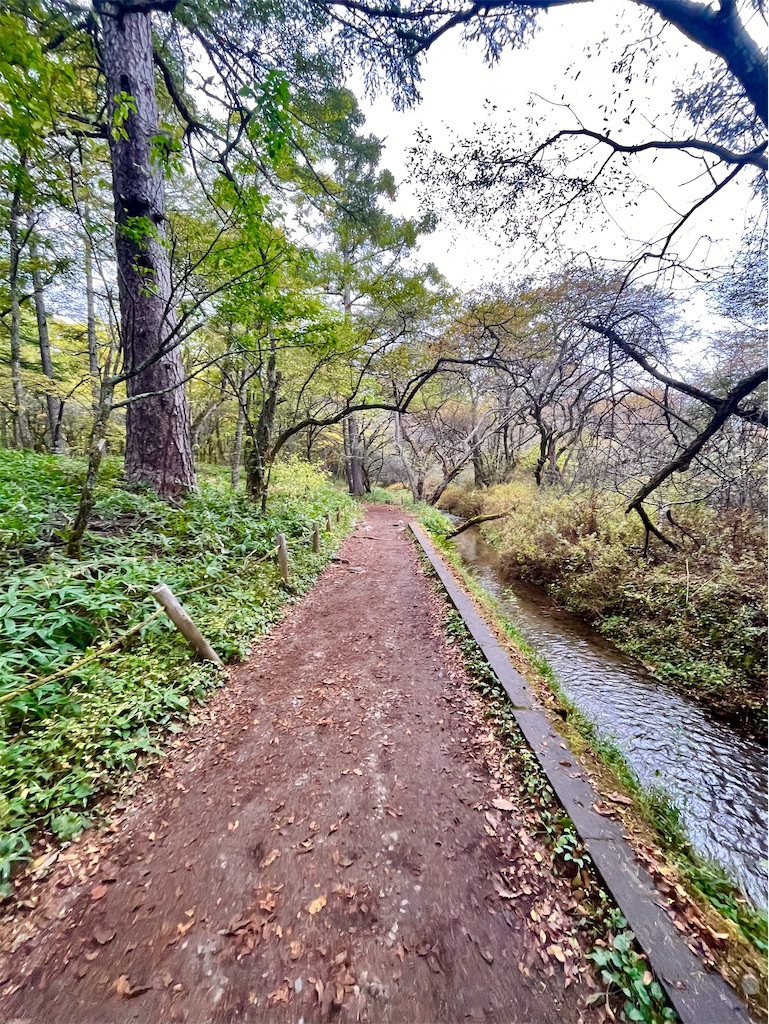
[699, 996]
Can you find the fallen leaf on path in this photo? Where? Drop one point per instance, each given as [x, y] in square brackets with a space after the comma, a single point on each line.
[618, 798]
[502, 804]
[296, 949]
[127, 990]
[151, 837]
[266, 861]
[183, 927]
[607, 812]
[557, 952]
[103, 935]
[280, 995]
[486, 956]
[317, 905]
[504, 892]
[98, 892]
[269, 901]
[232, 826]
[357, 771]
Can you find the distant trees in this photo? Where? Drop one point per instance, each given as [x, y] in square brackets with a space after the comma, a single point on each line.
[155, 163]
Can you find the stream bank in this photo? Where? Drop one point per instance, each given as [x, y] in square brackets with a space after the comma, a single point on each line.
[696, 615]
[716, 778]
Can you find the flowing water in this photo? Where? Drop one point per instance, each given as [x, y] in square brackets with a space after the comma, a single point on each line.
[717, 778]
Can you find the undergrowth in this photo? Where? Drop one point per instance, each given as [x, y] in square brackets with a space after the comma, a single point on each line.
[68, 741]
[697, 616]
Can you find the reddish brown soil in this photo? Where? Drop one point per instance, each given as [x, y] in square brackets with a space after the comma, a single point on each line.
[323, 847]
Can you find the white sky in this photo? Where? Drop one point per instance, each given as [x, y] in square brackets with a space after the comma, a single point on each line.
[457, 85]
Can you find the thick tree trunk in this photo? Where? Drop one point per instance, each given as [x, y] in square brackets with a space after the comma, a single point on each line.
[21, 433]
[54, 405]
[158, 447]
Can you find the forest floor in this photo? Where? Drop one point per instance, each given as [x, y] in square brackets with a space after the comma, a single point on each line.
[332, 842]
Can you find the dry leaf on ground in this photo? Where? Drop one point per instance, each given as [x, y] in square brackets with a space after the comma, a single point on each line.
[317, 905]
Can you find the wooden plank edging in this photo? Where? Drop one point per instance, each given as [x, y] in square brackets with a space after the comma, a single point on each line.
[698, 996]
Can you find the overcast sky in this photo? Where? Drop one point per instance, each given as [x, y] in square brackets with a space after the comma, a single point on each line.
[458, 89]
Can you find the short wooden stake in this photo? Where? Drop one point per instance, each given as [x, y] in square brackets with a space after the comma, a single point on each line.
[315, 537]
[328, 522]
[184, 624]
[283, 557]
[339, 515]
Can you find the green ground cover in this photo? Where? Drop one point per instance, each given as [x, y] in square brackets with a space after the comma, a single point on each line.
[65, 743]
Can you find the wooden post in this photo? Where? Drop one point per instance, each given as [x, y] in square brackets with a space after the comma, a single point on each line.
[328, 522]
[315, 537]
[283, 557]
[184, 624]
[339, 515]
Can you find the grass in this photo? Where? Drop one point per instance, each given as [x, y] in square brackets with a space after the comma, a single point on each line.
[66, 743]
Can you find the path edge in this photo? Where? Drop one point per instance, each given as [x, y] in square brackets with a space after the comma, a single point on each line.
[698, 996]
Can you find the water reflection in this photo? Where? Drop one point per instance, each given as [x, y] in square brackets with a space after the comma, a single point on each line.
[717, 778]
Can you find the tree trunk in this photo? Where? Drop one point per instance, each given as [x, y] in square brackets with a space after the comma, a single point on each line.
[479, 476]
[158, 447]
[259, 458]
[93, 353]
[237, 448]
[347, 455]
[21, 433]
[357, 481]
[54, 405]
[416, 484]
[449, 477]
[95, 455]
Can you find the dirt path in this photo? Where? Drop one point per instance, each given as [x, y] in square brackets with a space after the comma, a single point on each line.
[324, 847]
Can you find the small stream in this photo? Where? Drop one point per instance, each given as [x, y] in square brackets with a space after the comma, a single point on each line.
[717, 778]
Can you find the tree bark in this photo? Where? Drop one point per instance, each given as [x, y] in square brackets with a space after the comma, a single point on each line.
[237, 448]
[722, 32]
[21, 433]
[259, 458]
[357, 480]
[158, 446]
[90, 305]
[54, 405]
